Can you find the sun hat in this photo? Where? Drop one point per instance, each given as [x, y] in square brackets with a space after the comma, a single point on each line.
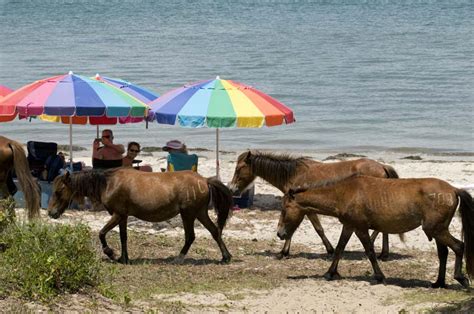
[174, 144]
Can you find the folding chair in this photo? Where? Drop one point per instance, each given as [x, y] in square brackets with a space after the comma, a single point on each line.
[180, 161]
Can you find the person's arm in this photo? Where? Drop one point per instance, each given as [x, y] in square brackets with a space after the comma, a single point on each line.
[95, 149]
[119, 148]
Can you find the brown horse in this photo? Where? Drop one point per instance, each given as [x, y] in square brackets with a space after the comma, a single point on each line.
[392, 206]
[12, 156]
[151, 197]
[285, 172]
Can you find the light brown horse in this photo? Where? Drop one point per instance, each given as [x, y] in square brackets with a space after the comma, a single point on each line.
[12, 156]
[285, 172]
[393, 206]
[151, 197]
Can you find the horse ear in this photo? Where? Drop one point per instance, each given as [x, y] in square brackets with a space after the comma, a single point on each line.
[291, 194]
[247, 157]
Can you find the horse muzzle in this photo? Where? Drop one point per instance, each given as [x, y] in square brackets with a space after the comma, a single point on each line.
[282, 234]
[54, 215]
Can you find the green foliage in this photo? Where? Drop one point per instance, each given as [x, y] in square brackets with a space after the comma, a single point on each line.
[7, 213]
[44, 260]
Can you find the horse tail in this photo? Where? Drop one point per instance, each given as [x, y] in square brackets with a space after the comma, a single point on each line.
[27, 182]
[390, 172]
[222, 200]
[466, 208]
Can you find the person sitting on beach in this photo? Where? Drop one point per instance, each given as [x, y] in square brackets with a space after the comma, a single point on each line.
[132, 151]
[178, 158]
[109, 151]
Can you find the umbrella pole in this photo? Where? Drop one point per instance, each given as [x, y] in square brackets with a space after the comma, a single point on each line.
[70, 142]
[97, 136]
[217, 154]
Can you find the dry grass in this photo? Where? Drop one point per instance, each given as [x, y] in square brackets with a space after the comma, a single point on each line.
[152, 274]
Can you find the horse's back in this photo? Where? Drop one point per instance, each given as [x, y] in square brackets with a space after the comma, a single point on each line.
[312, 171]
[400, 205]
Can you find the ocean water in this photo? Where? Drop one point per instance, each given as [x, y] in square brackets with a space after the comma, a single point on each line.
[359, 75]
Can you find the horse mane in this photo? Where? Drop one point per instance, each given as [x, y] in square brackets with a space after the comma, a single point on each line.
[275, 168]
[90, 183]
[322, 183]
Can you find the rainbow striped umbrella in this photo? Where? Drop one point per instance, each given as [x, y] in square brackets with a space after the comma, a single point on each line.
[72, 96]
[4, 91]
[133, 90]
[218, 103]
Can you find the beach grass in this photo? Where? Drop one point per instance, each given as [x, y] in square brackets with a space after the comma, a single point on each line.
[42, 261]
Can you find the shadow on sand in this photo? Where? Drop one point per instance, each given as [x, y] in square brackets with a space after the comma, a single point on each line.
[171, 261]
[399, 282]
[347, 255]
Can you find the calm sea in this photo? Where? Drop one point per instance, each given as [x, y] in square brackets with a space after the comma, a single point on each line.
[359, 75]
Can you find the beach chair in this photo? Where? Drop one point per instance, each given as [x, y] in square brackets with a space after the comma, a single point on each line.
[180, 161]
[38, 153]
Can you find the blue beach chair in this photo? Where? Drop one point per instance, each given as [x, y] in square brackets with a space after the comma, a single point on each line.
[181, 161]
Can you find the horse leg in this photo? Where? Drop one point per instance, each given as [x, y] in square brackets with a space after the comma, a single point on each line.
[374, 236]
[384, 254]
[285, 251]
[332, 273]
[443, 257]
[103, 232]
[457, 246]
[319, 229]
[364, 237]
[189, 236]
[203, 217]
[123, 240]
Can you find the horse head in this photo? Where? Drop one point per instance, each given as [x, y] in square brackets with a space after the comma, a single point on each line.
[243, 174]
[290, 217]
[61, 197]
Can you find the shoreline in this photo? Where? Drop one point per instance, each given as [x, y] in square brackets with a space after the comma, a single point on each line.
[455, 169]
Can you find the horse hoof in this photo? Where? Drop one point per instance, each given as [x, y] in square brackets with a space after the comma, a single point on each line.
[332, 276]
[178, 260]
[123, 260]
[383, 257]
[109, 252]
[380, 279]
[282, 256]
[463, 281]
[437, 284]
[226, 260]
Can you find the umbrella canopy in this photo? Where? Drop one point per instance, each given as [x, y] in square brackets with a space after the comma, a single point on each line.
[218, 103]
[71, 95]
[133, 90]
[4, 91]
[139, 92]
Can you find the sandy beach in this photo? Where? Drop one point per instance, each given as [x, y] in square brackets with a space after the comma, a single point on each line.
[310, 292]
